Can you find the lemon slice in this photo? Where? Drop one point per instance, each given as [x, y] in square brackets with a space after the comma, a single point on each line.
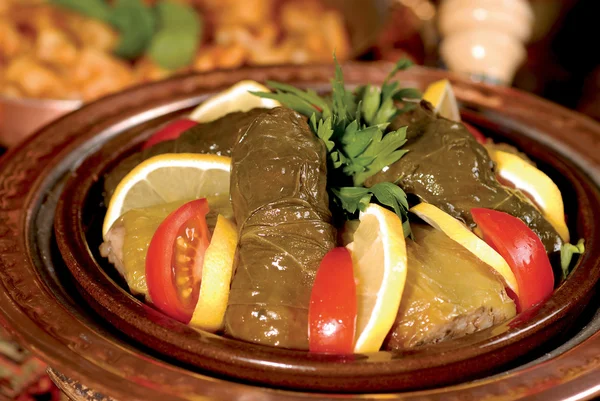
[235, 98]
[217, 270]
[458, 232]
[441, 96]
[534, 182]
[379, 259]
[168, 178]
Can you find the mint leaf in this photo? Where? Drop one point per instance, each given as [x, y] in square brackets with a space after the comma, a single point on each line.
[177, 40]
[173, 15]
[566, 255]
[136, 24]
[172, 49]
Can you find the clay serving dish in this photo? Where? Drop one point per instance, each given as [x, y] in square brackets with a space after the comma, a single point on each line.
[78, 236]
[121, 341]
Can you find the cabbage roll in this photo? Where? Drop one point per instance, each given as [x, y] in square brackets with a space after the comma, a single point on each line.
[448, 293]
[280, 203]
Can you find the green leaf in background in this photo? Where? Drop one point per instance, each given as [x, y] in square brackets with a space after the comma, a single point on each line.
[174, 15]
[173, 49]
[178, 37]
[566, 254]
[136, 24]
[97, 9]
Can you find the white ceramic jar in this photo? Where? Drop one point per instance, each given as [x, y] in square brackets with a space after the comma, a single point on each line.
[485, 38]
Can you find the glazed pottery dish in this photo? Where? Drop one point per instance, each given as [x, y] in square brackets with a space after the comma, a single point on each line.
[363, 231]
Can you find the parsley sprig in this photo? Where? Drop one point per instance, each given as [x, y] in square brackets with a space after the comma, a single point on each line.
[353, 125]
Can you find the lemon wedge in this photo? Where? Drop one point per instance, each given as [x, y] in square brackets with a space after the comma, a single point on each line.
[217, 270]
[441, 96]
[379, 259]
[535, 183]
[235, 98]
[458, 232]
[168, 178]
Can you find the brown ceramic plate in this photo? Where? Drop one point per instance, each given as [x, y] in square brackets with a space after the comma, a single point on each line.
[78, 236]
[41, 306]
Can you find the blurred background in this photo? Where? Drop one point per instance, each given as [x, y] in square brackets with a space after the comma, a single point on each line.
[58, 54]
[75, 51]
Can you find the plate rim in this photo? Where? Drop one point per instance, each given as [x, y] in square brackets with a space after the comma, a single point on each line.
[24, 154]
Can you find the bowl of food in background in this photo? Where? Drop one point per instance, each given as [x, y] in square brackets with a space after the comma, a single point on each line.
[56, 55]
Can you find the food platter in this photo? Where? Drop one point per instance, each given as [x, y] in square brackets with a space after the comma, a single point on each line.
[42, 304]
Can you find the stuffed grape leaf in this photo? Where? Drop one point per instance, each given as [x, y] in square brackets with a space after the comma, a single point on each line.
[280, 203]
[445, 166]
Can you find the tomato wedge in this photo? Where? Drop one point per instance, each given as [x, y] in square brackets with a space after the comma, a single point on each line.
[174, 260]
[476, 133]
[170, 131]
[523, 251]
[332, 309]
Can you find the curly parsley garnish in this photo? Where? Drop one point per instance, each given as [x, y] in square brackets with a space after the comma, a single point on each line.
[353, 125]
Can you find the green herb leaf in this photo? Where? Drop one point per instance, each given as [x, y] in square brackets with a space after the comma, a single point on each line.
[173, 15]
[175, 44]
[291, 101]
[172, 49]
[324, 131]
[384, 152]
[97, 9]
[566, 255]
[136, 24]
[310, 96]
[401, 65]
[352, 199]
[352, 125]
[408, 93]
[391, 195]
[371, 99]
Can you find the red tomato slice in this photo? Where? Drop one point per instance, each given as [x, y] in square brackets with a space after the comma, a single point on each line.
[476, 133]
[170, 131]
[332, 309]
[523, 251]
[174, 260]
